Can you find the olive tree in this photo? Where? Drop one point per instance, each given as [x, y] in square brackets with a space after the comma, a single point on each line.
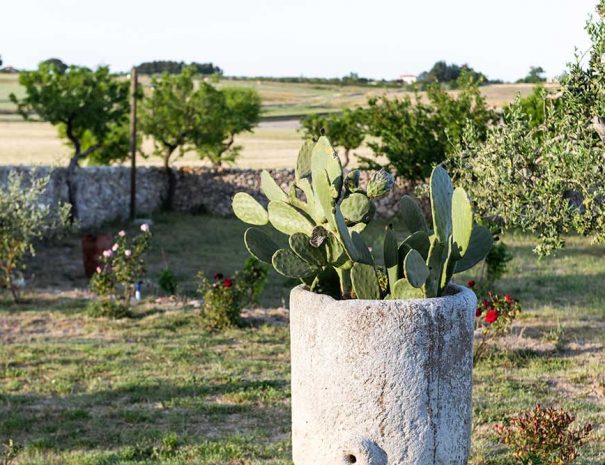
[89, 108]
[546, 178]
[239, 113]
[345, 130]
[24, 218]
[179, 115]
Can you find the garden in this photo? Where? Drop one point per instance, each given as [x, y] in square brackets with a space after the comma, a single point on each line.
[437, 299]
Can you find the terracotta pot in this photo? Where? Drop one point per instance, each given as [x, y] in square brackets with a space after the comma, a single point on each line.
[93, 246]
[381, 382]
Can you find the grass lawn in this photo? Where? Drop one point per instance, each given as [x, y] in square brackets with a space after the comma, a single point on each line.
[158, 389]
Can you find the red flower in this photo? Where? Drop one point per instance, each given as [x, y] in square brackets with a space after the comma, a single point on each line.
[227, 282]
[485, 303]
[508, 299]
[471, 283]
[491, 316]
[478, 312]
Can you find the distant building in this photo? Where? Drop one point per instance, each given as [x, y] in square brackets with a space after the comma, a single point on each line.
[408, 78]
[9, 69]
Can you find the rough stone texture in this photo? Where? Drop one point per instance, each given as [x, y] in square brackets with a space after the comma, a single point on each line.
[381, 382]
[104, 192]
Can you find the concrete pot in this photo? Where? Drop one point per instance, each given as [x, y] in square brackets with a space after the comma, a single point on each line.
[381, 382]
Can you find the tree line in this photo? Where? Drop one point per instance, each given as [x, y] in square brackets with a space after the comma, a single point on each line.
[91, 110]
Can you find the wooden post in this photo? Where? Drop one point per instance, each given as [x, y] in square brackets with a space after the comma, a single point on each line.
[133, 142]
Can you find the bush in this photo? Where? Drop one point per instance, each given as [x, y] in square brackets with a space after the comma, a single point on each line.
[108, 309]
[542, 436]
[167, 281]
[494, 318]
[225, 297]
[121, 267]
[252, 280]
[24, 218]
[222, 302]
[415, 136]
[546, 179]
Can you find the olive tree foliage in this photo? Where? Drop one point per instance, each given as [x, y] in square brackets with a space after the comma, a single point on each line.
[345, 130]
[180, 115]
[548, 179]
[416, 134]
[89, 108]
[239, 113]
[24, 218]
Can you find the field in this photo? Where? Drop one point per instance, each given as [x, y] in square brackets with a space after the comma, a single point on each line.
[272, 144]
[158, 389]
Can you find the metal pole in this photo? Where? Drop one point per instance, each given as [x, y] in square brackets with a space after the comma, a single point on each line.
[133, 142]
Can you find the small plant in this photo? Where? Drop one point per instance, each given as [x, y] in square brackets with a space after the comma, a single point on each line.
[167, 281]
[495, 265]
[324, 213]
[121, 267]
[24, 218]
[494, 318]
[222, 301]
[108, 309]
[10, 451]
[252, 279]
[543, 436]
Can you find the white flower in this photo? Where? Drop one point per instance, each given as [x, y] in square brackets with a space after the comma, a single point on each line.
[98, 269]
[122, 233]
[145, 227]
[128, 252]
[107, 253]
[114, 247]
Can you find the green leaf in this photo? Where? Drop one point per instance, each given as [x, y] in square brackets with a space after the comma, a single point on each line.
[247, 209]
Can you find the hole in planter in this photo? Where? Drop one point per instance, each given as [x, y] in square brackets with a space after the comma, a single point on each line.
[350, 458]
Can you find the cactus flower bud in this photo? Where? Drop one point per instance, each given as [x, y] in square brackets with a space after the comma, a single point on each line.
[380, 184]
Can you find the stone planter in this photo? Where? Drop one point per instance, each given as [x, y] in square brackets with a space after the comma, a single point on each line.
[381, 382]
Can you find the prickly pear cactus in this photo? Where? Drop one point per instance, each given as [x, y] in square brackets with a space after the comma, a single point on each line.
[322, 213]
[428, 258]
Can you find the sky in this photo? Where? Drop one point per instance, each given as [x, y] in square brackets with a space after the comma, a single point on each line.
[324, 38]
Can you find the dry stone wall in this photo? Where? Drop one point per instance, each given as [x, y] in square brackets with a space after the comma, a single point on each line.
[104, 192]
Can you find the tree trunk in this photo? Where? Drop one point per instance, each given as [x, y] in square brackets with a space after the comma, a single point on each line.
[171, 183]
[346, 159]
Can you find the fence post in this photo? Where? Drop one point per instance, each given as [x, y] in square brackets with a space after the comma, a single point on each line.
[133, 142]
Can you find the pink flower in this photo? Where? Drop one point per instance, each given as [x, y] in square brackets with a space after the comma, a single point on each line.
[145, 227]
[114, 247]
[107, 253]
[98, 269]
[122, 233]
[508, 299]
[128, 252]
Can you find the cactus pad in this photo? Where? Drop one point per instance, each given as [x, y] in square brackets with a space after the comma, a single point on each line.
[365, 281]
[288, 220]
[259, 244]
[290, 265]
[247, 209]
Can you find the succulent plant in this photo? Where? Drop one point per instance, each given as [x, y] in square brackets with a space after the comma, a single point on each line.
[424, 263]
[323, 214]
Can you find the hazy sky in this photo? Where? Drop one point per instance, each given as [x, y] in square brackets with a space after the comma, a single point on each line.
[374, 38]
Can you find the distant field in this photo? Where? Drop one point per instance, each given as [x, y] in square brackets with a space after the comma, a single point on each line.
[273, 144]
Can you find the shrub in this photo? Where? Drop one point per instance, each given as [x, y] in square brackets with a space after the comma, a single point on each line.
[121, 267]
[108, 309]
[543, 436]
[24, 218]
[547, 180]
[252, 280]
[167, 281]
[222, 301]
[415, 135]
[494, 318]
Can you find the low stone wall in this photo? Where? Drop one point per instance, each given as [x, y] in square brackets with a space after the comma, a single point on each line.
[104, 192]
